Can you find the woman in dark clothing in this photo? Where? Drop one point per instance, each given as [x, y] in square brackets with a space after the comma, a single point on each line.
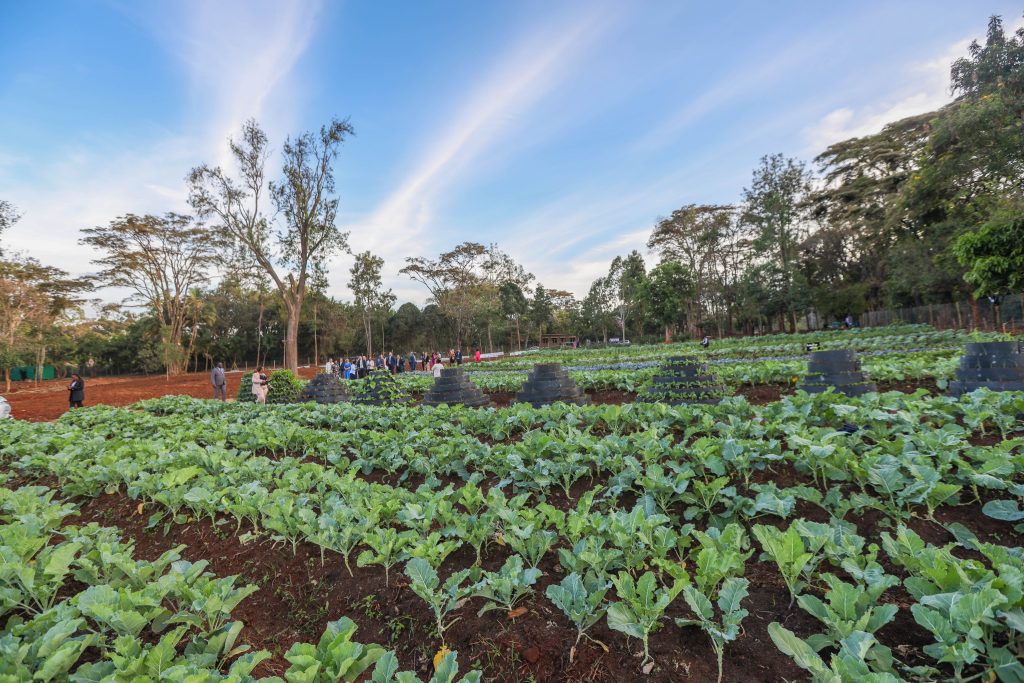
[76, 391]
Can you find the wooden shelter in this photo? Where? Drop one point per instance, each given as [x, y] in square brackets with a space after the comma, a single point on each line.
[556, 341]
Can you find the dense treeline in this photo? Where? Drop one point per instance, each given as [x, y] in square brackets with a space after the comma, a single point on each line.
[928, 210]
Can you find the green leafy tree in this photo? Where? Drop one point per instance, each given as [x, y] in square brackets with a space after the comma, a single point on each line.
[370, 296]
[542, 310]
[668, 292]
[159, 259]
[994, 253]
[32, 298]
[702, 239]
[970, 179]
[296, 241]
[514, 306]
[772, 211]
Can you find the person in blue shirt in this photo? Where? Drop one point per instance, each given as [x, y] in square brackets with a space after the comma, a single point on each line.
[347, 368]
[412, 361]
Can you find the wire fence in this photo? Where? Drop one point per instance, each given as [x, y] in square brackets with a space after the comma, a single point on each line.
[1005, 313]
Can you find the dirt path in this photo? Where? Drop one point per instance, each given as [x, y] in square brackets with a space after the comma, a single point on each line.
[49, 400]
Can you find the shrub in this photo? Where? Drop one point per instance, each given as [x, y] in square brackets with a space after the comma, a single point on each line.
[379, 388]
[285, 387]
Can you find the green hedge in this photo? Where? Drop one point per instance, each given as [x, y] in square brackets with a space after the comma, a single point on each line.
[285, 387]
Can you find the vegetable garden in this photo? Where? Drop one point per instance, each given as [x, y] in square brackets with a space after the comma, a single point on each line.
[816, 537]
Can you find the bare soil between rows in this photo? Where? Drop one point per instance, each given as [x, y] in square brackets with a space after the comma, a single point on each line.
[297, 597]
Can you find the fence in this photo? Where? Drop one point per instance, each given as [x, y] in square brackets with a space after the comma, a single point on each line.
[983, 314]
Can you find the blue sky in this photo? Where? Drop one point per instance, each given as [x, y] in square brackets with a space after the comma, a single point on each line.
[560, 131]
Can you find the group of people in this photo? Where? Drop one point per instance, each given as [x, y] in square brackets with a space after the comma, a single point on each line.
[359, 366]
[346, 368]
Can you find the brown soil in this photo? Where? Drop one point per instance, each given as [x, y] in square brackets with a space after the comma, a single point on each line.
[298, 596]
[768, 393]
[49, 400]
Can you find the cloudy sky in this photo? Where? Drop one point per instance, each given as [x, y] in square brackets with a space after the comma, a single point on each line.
[560, 131]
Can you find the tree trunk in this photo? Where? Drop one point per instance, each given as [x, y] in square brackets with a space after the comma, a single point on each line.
[259, 332]
[316, 346]
[291, 340]
[191, 345]
[42, 363]
[368, 331]
[975, 316]
[490, 344]
[7, 379]
[519, 339]
[792, 322]
[668, 334]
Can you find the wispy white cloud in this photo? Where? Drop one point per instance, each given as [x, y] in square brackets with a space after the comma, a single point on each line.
[571, 241]
[744, 82]
[925, 87]
[236, 57]
[485, 119]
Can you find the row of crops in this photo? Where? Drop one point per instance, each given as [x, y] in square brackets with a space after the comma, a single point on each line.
[937, 366]
[894, 338]
[871, 539]
[78, 605]
[895, 354]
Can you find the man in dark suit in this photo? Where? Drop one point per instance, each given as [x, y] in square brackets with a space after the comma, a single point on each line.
[76, 391]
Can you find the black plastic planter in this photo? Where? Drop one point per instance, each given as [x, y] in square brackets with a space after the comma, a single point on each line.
[838, 370]
[683, 379]
[998, 366]
[453, 387]
[550, 383]
[325, 389]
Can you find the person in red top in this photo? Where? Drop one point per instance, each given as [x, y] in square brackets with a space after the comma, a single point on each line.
[476, 356]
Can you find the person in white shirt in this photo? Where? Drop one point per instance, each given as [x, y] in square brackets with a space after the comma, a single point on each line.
[329, 368]
[438, 367]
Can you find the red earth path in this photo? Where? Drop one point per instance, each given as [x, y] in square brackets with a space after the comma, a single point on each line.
[49, 400]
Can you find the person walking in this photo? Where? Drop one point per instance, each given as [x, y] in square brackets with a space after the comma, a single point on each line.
[219, 382]
[412, 361]
[76, 391]
[260, 385]
[458, 357]
[438, 367]
[476, 356]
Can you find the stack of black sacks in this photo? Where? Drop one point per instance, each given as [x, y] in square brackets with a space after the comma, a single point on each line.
[454, 388]
[838, 370]
[684, 379]
[998, 366]
[325, 388]
[550, 383]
